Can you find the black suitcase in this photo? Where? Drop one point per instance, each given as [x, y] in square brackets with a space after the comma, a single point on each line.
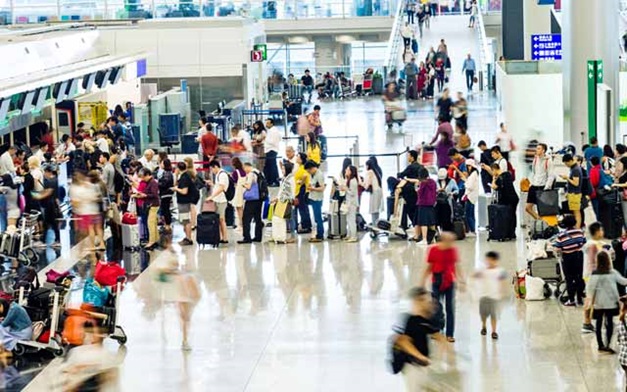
[390, 206]
[208, 229]
[619, 262]
[500, 222]
[229, 216]
[611, 217]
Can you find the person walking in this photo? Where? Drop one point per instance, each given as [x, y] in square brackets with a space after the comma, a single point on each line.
[474, 14]
[504, 141]
[422, 16]
[411, 74]
[570, 243]
[351, 202]
[406, 33]
[316, 196]
[442, 261]
[602, 288]
[469, 67]
[253, 206]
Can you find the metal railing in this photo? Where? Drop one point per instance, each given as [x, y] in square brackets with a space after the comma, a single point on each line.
[39, 11]
[394, 42]
[485, 55]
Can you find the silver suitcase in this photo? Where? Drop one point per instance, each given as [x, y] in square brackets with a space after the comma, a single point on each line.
[482, 210]
[130, 236]
[548, 269]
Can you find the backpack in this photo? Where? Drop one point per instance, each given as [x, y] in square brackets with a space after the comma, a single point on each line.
[511, 170]
[262, 184]
[28, 279]
[229, 192]
[118, 181]
[79, 161]
[605, 179]
[586, 187]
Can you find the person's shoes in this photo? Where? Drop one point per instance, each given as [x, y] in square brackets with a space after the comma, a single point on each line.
[257, 240]
[224, 242]
[186, 242]
[580, 301]
[484, 332]
[243, 242]
[423, 243]
[495, 336]
[315, 240]
[304, 231]
[609, 350]
[471, 234]
[290, 241]
[450, 339]
[353, 239]
[587, 328]
[55, 244]
[570, 303]
[186, 347]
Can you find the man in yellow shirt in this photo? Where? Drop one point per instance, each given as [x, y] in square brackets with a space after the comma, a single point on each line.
[302, 179]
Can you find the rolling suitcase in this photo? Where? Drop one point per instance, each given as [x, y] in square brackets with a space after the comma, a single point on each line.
[482, 210]
[611, 214]
[337, 221]
[130, 236]
[547, 269]
[279, 230]
[459, 227]
[499, 222]
[208, 229]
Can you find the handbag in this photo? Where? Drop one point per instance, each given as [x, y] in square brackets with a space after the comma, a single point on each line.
[107, 273]
[95, 294]
[548, 202]
[252, 194]
[53, 276]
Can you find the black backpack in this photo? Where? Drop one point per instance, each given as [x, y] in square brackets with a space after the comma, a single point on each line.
[229, 192]
[262, 184]
[118, 182]
[586, 187]
[79, 161]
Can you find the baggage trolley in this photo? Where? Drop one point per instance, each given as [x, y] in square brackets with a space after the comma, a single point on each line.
[21, 252]
[428, 158]
[55, 342]
[394, 115]
[395, 223]
[550, 270]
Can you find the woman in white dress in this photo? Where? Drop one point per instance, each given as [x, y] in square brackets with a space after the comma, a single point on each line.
[372, 184]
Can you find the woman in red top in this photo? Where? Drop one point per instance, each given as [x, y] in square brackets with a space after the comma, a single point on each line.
[442, 259]
[422, 80]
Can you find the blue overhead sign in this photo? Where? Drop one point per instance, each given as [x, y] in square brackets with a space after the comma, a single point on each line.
[546, 46]
[546, 2]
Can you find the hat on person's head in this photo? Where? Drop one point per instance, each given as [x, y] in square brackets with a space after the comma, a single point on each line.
[471, 162]
[442, 174]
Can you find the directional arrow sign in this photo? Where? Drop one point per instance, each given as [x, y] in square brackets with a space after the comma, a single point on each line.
[546, 46]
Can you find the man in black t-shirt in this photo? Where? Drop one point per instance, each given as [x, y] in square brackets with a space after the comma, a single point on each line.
[411, 342]
[308, 84]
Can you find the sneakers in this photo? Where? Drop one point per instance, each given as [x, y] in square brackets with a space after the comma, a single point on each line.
[570, 303]
[186, 347]
[352, 239]
[587, 328]
[423, 243]
[186, 242]
[315, 240]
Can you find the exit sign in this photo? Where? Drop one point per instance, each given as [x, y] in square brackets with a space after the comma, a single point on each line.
[256, 56]
[263, 48]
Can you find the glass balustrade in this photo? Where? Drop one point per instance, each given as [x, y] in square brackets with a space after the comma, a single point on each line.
[37, 11]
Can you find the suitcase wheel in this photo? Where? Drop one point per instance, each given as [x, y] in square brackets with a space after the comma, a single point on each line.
[373, 235]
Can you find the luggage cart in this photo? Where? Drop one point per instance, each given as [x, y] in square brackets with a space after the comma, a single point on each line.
[394, 114]
[551, 271]
[110, 316]
[18, 246]
[428, 158]
[395, 224]
[55, 342]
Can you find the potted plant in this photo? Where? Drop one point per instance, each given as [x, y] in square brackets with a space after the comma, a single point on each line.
[377, 83]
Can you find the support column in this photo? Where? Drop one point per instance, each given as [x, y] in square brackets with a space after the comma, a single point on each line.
[513, 29]
[537, 20]
[589, 32]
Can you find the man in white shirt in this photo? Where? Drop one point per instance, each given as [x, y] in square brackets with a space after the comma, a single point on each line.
[148, 160]
[6, 161]
[64, 148]
[43, 149]
[505, 141]
[219, 186]
[498, 157]
[272, 145]
[102, 143]
[541, 178]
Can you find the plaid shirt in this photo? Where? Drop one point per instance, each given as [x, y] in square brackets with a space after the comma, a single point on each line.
[622, 343]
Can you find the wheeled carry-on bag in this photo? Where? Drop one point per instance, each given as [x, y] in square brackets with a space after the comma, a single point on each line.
[279, 230]
[130, 236]
[499, 222]
[548, 269]
[611, 214]
[208, 229]
[337, 221]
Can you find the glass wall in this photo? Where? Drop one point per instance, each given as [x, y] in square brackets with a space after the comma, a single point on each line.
[34, 11]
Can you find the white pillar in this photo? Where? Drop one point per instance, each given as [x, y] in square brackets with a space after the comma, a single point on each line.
[537, 20]
[589, 32]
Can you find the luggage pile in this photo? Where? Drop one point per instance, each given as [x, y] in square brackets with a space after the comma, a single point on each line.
[17, 245]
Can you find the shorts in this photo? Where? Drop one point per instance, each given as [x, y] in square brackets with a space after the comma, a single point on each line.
[532, 196]
[425, 216]
[221, 209]
[488, 307]
[87, 221]
[184, 213]
[574, 201]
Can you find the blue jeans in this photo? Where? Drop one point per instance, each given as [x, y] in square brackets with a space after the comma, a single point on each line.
[470, 216]
[3, 213]
[303, 210]
[449, 307]
[316, 206]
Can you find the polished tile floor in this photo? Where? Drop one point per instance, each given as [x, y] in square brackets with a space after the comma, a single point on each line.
[306, 317]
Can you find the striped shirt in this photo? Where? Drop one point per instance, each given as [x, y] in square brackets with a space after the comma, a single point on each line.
[570, 241]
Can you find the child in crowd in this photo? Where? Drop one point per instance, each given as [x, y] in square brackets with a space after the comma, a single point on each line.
[492, 285]
[596, 244]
